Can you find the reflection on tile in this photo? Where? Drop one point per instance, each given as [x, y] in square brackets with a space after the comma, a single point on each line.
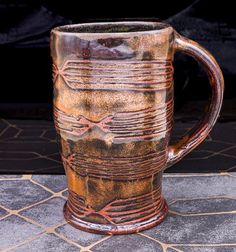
[9, 133]
[199, 154]
[214, 163]
[213, 146]
[14, 230]
[231, 152]
[78, 236]
[50, 134]
[48, 214]
[224, 132]
[131, 243]
[203, 217]
[16, 194]
[47, 243]
[25, 146]
[29, 162]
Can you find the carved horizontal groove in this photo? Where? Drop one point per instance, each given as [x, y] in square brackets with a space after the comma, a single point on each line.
[116, 168]
[146, 75]
[146, 123]
[122, 75]
[108, 81]
[114, 63]
[121, 211]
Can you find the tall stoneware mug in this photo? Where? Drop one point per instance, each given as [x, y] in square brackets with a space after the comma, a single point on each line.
[113, 112]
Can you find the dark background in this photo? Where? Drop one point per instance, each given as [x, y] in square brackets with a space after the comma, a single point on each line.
[25, 65]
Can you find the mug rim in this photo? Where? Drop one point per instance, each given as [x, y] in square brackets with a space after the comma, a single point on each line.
[154, 27]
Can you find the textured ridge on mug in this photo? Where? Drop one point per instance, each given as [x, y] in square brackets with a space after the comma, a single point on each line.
[119, 168]
[147, 123]
[121, 211]
[145, 75]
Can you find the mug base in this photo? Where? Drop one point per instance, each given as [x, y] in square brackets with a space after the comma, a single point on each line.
[78, 223]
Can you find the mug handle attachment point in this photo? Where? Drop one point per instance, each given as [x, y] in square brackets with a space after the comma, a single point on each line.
[200, 131]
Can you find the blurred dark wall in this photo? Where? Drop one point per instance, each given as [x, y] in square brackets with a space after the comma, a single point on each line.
[25, 66]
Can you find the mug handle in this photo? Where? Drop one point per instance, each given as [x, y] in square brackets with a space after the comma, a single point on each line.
[200, 131]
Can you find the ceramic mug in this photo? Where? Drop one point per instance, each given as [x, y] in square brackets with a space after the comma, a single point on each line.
[113, 112]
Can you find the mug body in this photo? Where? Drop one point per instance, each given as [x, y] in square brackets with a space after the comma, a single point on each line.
[113, 111]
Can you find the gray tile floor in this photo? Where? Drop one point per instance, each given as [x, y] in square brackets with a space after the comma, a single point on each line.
[202, 217]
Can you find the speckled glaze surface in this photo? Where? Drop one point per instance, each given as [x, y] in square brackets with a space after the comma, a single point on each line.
[113, 112]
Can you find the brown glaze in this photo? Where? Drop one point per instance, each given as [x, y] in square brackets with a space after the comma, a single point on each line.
[113, 112]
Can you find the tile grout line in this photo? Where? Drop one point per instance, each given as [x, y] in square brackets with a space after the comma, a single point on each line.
[164, 246]
[24, 242]
[224, 142]
[67, 240]
[201, 198]
[200, 214]
[234, 176]
[51, 167]
[97, 242]
[203, 245]
[4, 130]
[27, 176]
[229, 169]
[44, 187]
[18, 133]
[31, 221]
[5, 216]
[64, 197]
[174, 245]
[27, 141]
[35, 204]
[227, 155]
[17, 211]
[45, 231]
[43, 133]
[194, 174]
[51, 159]
[225, 149]
[54, 195]
[9, 179]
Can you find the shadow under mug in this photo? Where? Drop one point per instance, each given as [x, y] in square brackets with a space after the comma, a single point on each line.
[113, 112]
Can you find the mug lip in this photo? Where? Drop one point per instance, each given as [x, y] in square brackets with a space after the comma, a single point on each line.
[155, 27]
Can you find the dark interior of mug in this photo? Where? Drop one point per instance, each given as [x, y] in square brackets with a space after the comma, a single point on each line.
[113, 27]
